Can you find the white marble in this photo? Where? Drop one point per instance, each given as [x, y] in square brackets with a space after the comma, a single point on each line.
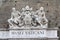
[42, 33]
[28, 18]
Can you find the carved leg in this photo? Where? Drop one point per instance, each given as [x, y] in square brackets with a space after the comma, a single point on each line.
[10, 23]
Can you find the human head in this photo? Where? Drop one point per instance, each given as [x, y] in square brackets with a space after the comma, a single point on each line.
[13, 9]
[41, 9]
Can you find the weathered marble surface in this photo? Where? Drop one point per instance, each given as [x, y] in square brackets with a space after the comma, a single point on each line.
[52, 8]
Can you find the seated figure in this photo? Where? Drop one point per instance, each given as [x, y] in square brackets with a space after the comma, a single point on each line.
[13, 21]
[41, 18]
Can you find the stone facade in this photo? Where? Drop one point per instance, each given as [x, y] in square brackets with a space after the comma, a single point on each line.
[52, 9]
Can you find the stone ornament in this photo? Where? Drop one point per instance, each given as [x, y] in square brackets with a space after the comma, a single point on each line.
[28, 18]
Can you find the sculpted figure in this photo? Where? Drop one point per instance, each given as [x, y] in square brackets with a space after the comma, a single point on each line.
[41, 18]
[44, 21]
[14, 17]
[15, 14]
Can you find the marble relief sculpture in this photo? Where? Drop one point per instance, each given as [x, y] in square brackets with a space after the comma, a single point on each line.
[28, 18]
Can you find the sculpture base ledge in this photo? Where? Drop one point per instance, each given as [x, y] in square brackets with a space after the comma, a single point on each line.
[32, 28]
